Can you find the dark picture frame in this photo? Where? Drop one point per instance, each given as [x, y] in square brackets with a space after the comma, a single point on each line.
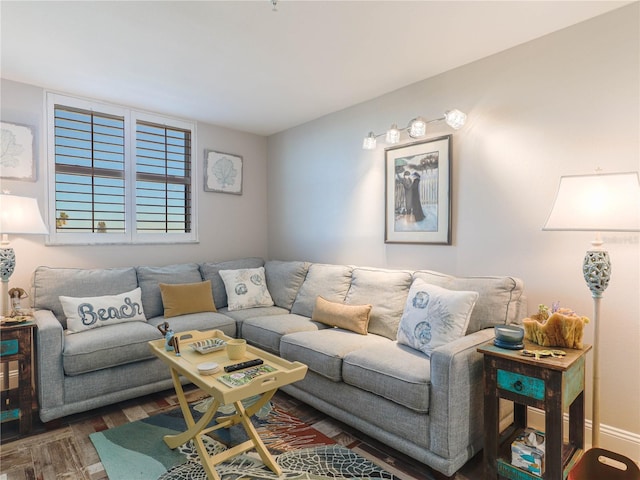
[418, 192]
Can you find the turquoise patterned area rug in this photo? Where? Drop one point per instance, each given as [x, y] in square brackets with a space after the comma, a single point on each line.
[136, 451]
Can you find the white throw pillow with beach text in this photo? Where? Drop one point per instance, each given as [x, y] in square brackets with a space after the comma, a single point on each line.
[85, 313]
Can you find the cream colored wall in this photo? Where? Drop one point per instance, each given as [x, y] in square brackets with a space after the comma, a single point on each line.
[230, 226]
[563, 104]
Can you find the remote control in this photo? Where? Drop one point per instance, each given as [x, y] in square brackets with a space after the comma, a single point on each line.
[241, 365]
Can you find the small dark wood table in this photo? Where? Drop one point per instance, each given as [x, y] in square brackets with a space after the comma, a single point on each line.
[551, 384]
[16, 344]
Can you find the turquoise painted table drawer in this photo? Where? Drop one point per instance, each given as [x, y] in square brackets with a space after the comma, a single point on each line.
[9, 347]
[522, 384]
[8, 415]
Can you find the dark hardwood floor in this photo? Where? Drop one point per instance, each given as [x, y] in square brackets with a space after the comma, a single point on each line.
[62, 450]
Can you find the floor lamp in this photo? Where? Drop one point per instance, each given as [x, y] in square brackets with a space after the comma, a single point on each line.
[597, 203]
[18, 215]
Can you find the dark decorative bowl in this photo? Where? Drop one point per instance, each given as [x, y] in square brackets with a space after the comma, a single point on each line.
[509, 333]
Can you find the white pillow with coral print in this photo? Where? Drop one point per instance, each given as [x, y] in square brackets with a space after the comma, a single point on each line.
[434, 316]
[246, 288]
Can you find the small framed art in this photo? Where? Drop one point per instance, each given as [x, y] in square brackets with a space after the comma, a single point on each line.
[222, 172]
[16, 156]
[418, 192]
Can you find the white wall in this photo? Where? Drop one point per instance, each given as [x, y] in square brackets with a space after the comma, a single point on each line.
[563, 104]
[230, 226]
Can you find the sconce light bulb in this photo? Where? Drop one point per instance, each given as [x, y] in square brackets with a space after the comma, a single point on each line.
[418, 128]
[455, 118]
[369, 142]
[393, 134]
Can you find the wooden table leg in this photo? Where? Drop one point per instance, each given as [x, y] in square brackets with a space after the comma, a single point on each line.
[576, 422]
[174, 441]
[266, 457]
[553, 427]
[251, 409]
[196, 430]
[491, 421]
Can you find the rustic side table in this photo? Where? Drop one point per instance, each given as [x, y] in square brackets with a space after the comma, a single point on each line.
[17, 394]
[553, 385]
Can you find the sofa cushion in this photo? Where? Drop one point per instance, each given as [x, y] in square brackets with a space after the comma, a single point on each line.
[322, 351]
[393, 371]
[284, 280]
[150, 279]
[329, 281]
[266, 331]
[185, 298]
[434, 316]
[350, 317]
[84, 313]
[386, 291]
[107, 347]
[246, 288]
[497, 302]
[198, 321]
[50, 283]
[241, 315]
[210, 271]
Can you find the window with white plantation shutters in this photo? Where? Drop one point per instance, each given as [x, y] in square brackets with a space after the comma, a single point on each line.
[89, 172]
[163, 179]
[118, 175]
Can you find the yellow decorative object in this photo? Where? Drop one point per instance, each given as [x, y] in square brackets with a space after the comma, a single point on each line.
[563, 328]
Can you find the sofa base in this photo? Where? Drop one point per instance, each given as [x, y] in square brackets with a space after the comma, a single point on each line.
[136, 379]
[338, 410]
[49, 414]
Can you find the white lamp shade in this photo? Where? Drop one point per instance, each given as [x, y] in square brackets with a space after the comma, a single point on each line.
[20, 215]
[599, 202]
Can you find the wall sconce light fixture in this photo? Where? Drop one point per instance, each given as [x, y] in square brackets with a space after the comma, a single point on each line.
[416, 128]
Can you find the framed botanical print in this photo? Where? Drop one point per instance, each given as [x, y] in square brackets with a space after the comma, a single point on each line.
[418, 192]
[17, 152]
[222, 172]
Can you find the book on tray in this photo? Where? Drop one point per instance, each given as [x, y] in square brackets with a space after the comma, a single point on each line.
[237, 379]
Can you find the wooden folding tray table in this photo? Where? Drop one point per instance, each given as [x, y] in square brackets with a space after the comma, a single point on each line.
[263, 386]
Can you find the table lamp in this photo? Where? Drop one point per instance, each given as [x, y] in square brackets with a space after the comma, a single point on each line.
[18, 215]
[597, 203]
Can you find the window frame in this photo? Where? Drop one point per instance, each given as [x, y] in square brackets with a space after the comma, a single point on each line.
[131, 117]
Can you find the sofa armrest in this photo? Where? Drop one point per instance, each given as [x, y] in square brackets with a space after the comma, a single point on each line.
[456, 404]
[50, 372]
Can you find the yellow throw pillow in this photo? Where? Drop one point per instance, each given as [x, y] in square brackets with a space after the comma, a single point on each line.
[183, 298]
[349, 317]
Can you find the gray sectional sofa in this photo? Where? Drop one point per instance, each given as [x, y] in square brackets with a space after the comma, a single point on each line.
[426, 407]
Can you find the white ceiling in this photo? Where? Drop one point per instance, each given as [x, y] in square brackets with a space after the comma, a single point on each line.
[241, 65]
